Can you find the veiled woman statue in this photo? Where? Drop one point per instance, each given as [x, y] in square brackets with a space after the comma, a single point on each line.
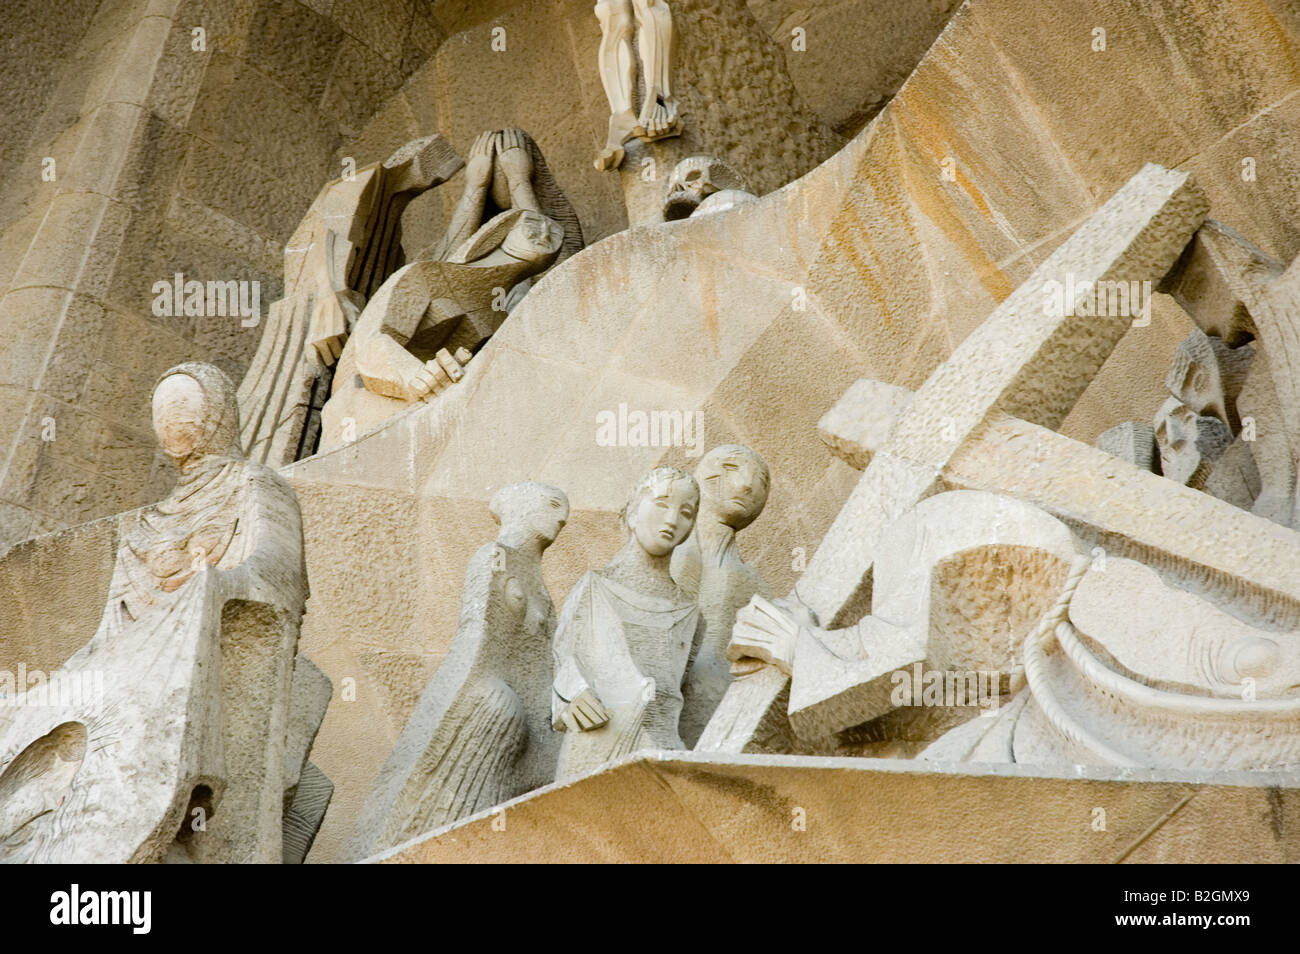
[176, 751]
[627, 635]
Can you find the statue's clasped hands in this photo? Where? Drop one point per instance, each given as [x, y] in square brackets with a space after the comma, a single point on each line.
[509, 147]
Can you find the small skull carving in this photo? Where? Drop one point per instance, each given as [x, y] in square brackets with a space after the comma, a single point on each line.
[693, 180]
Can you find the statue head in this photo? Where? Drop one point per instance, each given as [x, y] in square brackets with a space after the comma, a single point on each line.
[733, 483]
[533, 238]
[693, 180]
[661, 511]
[1206, 375]
[530, 509]
[1188, 442]
[196, 413]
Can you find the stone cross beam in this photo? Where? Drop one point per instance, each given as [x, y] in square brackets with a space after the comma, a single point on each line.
[1027, 361]
[1130, 511]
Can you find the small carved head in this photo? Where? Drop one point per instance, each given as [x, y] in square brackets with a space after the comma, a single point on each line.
[534, 237]
[539, 510]
[693, 180]
[195, 413]
[734, 482]
[1194, 376]
[661, 512]
[1176, 432]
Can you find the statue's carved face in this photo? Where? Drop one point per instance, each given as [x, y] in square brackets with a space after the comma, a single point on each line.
[1176, 434]
[664, 515]
[736, 486]
[549, 517]
[1196, 384]
[179, 412]
[534, 237]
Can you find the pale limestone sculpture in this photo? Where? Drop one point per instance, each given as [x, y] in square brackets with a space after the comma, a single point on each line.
[422, 326]
[699, 185]
[1189, 443]
[481, 732]
[1235, 291]
[180, 753]
[627, 635]
[1024, 360]
[1270, 450]
[346, 246]
[307, 790]
[1207, 376]
[658, 118]
[734, 483]
[1128, 670]
[1132, 441]
[505, 171]
[844, 677]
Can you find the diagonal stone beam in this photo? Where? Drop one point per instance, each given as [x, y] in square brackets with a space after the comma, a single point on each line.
[1132, 511]
[1026, 360]
[1023, 361]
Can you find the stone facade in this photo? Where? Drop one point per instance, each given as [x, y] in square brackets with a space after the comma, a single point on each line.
[955, 476]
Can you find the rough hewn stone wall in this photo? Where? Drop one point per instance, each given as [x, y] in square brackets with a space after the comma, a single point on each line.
[167, 158]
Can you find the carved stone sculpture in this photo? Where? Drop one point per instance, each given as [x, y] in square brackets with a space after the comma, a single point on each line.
[481, 732]
[733, 482]
[1132, 441]
[1009, 367]
[658, 117]
[1207, 376]
[505, 171]
[1128, 670]
[307, 790]
[347, 245]
[627, 635]
[421, 327]
[181, 754]
[1235, 291]
[1262, 420]
[843, 677]
[699, 185]
[1189, 443]
[425, 322]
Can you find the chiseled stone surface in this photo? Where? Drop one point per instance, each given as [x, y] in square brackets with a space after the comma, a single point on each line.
[914, 259]
[888, 302]
[696, 807]
[165, 737]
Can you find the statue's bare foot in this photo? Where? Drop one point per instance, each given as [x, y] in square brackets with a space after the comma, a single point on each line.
[622, 127]
[660, 120]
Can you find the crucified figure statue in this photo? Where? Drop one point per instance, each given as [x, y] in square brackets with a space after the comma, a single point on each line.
[658, 118]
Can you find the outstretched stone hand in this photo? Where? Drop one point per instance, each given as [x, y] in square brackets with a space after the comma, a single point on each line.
[765, 632]
[333, 318]
[584, 713]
